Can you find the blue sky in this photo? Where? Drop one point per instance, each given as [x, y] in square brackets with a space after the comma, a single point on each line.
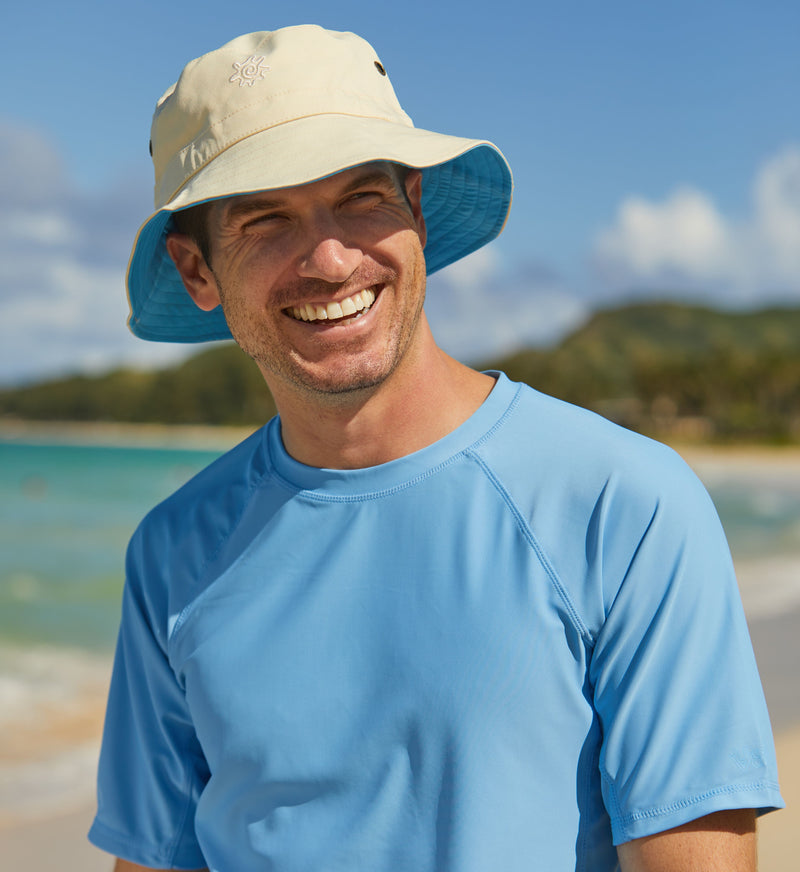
[655, 148]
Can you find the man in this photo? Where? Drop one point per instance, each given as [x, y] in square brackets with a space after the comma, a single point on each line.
[426, 619]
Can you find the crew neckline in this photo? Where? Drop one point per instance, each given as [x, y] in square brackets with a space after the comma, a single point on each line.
[355, 483]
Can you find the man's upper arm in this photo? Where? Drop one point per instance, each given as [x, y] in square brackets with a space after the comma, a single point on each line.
[724, 841]
[152, 769]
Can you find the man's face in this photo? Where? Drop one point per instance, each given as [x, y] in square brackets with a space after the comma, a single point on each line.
[323, 284]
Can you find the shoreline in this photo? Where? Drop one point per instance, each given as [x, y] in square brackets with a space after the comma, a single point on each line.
[129, 434]
[124, 435]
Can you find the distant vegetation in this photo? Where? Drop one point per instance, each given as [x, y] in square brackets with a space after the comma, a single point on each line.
[219, 386]
[679, 372]
[672, 371]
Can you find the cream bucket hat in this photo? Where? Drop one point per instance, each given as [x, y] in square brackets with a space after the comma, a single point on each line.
[283, 108]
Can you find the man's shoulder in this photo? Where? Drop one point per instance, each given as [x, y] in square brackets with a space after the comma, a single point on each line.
[564, 466]
[591, 492]
[170, 557]
[563, 441]
[212, 496]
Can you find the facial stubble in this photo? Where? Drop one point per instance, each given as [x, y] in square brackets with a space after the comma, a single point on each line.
[357, 372]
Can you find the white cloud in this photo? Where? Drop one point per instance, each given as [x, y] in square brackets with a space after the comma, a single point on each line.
[480, 310]
[683, 233]
[32, 170]
[475, 269]
[63, 254]
[777, 217]
[37, 227]
[685, 244]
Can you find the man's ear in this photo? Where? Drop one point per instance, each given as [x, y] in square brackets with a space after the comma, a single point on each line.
[197, 277]
[413, 185]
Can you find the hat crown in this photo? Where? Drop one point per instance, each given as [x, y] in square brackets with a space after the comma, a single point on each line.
[256, 82]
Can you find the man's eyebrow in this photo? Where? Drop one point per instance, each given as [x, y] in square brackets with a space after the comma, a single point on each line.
[377, 177]
[241, 209]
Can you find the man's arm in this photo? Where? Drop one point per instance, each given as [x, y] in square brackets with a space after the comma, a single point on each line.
[724, 841]
[125, 866]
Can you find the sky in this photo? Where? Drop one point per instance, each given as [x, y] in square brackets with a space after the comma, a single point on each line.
[655, 151]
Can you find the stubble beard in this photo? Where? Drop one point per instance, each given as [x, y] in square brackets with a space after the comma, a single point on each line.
[348, 378]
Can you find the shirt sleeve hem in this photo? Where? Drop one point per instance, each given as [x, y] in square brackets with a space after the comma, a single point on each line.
[763, 797]
[135, 850]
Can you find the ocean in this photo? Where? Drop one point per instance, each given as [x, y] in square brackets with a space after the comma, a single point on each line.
[67, 512]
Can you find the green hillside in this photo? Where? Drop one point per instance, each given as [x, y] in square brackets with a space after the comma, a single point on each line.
[217, 386]
[679, 371]
[665, 369]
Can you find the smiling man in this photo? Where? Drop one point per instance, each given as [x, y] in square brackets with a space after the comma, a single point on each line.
[425, 619]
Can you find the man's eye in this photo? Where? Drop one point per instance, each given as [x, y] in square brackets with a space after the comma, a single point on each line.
[264, 220]
[364, 197]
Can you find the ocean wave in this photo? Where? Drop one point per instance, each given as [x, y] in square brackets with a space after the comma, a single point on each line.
[51, 713]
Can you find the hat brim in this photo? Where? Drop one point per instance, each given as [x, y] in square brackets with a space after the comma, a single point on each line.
[466, 196]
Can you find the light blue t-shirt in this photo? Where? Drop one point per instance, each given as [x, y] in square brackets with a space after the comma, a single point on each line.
[511, 651]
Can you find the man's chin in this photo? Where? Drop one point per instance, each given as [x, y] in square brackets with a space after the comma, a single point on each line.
[330, 387]
[343, 388]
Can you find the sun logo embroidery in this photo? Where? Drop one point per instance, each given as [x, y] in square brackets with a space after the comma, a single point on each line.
[248, 72]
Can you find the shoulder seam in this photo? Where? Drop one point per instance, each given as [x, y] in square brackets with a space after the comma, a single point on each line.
[254, 485]
[535, 546]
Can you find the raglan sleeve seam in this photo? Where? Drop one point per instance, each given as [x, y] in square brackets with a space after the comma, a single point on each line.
[183, 614]
[541, 555]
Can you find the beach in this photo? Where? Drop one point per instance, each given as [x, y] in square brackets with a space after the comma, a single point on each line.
[53, 695]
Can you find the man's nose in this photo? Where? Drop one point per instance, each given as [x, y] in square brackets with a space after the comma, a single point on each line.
[330, 258]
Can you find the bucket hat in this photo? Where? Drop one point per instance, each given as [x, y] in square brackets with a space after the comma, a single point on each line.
[276, 109]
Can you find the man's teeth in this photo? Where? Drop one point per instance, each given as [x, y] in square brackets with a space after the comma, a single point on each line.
[359, 302]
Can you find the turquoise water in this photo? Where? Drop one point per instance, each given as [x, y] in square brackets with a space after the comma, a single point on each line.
[67, 512]
[761, 518]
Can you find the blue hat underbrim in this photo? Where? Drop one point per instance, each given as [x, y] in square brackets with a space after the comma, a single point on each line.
[465, 203]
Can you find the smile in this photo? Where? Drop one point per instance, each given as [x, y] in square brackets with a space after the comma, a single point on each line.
[357, 305]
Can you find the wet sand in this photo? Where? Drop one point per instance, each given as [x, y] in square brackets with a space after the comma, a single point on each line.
[53, 844]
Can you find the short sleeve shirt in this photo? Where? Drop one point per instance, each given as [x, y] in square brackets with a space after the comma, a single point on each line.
[513, 649]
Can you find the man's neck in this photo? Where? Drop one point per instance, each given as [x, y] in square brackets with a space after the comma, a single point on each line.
[403, 415]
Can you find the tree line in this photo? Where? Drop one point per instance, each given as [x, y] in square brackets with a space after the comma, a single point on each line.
[665, 369]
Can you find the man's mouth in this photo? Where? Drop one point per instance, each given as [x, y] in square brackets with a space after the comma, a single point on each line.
[348, 308]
